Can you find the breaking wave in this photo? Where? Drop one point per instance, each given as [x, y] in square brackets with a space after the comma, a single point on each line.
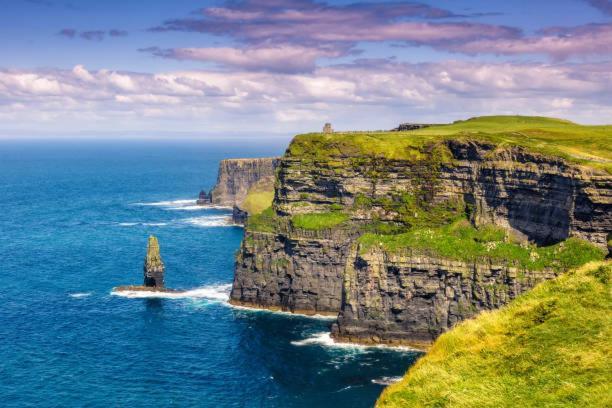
[386, 380]
[169, 203]
[182, 205]
[211, 292]
[79, 294]
[210, 221]
[324, 339]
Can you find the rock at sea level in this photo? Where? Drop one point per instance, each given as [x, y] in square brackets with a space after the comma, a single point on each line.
[153, 265]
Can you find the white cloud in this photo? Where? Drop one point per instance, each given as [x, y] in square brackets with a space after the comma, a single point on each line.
[370, 95]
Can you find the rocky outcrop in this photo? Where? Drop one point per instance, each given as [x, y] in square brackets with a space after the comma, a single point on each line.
[153, 266]
[203, 198]
[410, 297]
[239, 216]
[237, 176]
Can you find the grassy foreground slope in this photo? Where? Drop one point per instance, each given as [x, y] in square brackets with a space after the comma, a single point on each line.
[587, 145]
[550, 347]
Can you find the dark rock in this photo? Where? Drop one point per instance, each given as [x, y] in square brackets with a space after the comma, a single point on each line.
[239, 216]
[204, 198]
[409, 126]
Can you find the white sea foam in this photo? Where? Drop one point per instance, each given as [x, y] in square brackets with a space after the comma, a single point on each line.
[324, 339]
[386, 380]
[211, 292]
[169, 203]
[280, 312]
[210, 221]
[187, 208]
[79, 294]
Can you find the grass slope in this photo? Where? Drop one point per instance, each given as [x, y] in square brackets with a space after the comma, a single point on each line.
[550, 347]
[462, 241]
[587, 145]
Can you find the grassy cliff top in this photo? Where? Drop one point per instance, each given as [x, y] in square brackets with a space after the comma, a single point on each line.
[587, 145]
[549, 347]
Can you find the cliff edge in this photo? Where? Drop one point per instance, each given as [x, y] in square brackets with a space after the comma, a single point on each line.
[237, 176]
[405, 234]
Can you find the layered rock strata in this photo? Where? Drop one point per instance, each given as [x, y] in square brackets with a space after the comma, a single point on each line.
[153, 269]
[412, 297]
[237, 176]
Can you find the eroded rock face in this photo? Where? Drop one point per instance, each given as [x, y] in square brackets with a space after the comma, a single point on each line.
[383, 297]
[413, 298]
[237, 176]
[153, 265]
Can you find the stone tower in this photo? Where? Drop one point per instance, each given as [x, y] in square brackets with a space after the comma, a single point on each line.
[153, 265]
[328, 128]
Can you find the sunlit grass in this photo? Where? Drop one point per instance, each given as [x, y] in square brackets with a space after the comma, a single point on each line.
[549, 347]
[587, 145]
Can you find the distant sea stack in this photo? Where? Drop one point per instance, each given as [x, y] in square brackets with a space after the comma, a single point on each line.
[153, 265]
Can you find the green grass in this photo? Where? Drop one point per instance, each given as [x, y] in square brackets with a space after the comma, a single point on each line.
[319, 221]
[264, 221]
[587, 145]
[548, 348]
[257, 201]
[461, 241]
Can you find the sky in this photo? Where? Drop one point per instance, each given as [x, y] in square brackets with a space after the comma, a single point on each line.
[172, 68]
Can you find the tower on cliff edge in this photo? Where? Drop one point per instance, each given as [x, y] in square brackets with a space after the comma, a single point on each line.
[153, 265]
[328, 128]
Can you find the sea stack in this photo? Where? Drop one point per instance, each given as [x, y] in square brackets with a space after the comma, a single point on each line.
[153, 265]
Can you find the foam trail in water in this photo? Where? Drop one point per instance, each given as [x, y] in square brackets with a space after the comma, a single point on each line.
[210, 221]
[169, 203]
[280, 312]
[324, 339]
[79, 295]
[386, 380]
[211, 292]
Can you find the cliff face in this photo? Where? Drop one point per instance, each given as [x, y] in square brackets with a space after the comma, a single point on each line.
[237, 176]
[412, 295]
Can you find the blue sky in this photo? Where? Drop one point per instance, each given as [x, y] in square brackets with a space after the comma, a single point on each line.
[209, 68]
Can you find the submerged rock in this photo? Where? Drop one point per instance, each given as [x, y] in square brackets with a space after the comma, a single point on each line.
[153, 266]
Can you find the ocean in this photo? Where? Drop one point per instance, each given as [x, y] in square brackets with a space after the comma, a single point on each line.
[74, 222]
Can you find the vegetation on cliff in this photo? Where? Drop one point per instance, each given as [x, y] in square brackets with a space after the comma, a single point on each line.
[462, 241]
[588, 145]
[319, 221]
[259, 197]
[549, 347]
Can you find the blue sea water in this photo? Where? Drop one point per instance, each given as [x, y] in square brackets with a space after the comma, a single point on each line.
[74, 221]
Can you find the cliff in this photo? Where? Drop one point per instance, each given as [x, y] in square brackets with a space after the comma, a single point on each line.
[547, 348]
[237, 176]
[404, 234]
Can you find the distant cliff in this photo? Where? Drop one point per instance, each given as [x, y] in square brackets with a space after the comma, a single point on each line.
[237, 176]
[405, 234]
